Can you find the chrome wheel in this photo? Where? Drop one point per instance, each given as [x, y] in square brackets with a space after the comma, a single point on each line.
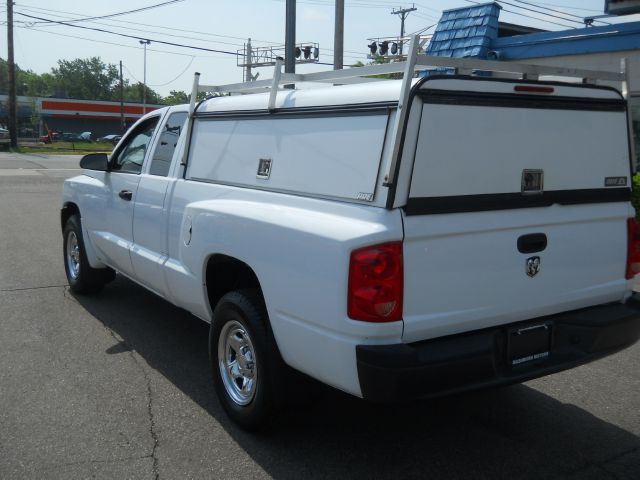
[73, 255]
[237, 363]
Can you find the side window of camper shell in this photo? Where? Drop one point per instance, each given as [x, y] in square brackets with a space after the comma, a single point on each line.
[130, 155]
[161, 161]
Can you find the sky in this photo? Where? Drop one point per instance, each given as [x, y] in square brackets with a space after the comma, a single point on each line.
[224, 25]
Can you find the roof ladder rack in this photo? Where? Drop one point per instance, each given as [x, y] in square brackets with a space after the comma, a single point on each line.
[415, 61]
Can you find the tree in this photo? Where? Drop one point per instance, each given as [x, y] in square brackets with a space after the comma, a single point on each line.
[379, 60]
[134, 93]
[176, 97]
[87, 78]
[84, 79]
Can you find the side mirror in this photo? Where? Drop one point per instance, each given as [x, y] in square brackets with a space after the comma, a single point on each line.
[95, 161]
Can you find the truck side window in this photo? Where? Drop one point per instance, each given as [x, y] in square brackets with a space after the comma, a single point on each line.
[130, 156]
[163, 153]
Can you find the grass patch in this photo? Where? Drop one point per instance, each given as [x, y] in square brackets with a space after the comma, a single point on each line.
[65, 148]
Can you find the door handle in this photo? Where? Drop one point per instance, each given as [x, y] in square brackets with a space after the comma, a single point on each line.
[125, 195]
[532, 243]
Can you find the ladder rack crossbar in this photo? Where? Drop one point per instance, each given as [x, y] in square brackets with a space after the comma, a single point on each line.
[516, 68]
[361, 74]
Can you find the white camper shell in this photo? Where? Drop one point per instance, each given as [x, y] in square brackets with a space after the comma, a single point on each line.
[393, 239]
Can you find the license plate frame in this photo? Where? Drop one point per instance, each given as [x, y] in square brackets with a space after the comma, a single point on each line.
[529, 343]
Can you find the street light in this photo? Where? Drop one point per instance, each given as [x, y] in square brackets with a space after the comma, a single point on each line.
[144, 79]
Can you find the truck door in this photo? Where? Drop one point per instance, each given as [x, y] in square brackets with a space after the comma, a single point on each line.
[149, 251]
[111, 229]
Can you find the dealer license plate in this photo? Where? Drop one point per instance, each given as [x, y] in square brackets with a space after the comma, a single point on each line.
[529, 343]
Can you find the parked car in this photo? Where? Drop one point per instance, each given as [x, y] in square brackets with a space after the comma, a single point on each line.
[5, 139]
[113, 139]
[55, 136]
[70, 137]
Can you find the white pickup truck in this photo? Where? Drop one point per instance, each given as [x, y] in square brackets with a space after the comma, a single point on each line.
[394, 240]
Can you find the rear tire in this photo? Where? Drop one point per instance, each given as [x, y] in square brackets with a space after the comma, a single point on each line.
[244, 359]
[82, 277]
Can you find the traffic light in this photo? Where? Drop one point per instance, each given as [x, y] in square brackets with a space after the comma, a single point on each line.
[394, 48]
[384, 47]
[307, 52]
[316, 52]
[298, 51]
[373, 46]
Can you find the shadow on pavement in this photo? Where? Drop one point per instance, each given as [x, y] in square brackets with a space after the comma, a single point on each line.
[515, 432]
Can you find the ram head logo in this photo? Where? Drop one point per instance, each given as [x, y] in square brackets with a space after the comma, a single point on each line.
[533, 266]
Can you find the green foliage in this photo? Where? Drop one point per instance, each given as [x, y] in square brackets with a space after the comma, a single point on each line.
[84, 79]
[635, 194]
[176, 97]
[379, 60]
[87, 78]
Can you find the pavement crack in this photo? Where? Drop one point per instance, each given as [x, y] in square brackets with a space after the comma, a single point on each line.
[152, 424]
[152, 428]
[26, 289]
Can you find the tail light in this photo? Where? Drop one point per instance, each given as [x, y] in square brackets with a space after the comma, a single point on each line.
[376, 283]
[633, 248]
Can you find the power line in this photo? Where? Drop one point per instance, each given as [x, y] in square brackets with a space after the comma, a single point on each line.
[155, 32]
[166, 83]
[571, 7]
[32, 29]
[541, 13]
[175, 29]
[150, 7]
[525, 15]
[558, 11]
[136, 37]
[324, 3]
[53, 12]
[429, 8]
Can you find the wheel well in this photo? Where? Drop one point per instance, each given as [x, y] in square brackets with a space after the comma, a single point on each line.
[225, 274]
[68, 210]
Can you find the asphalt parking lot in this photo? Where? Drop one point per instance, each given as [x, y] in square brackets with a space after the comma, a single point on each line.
[118, 386]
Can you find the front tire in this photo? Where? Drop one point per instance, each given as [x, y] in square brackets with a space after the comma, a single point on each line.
[82, 277]
[243, 359]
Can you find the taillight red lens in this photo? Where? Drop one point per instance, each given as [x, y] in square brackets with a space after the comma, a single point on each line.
[376, 283]
[633, 248]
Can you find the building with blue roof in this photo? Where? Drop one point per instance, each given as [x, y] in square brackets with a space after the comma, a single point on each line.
[466, 32]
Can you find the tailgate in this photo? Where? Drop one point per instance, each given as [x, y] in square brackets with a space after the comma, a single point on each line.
[517, 205]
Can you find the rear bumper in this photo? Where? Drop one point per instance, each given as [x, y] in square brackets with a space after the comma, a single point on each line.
[480, 359]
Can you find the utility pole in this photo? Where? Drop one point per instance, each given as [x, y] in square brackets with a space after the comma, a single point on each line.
[403, 13]
[144, 79]
[290, 39]
[121, 100]
[248, 77]
[338, 37]
[13, 133]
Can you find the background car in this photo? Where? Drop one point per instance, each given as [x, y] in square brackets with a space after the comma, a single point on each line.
[113, 138]
[5, 139]
[55, 136]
